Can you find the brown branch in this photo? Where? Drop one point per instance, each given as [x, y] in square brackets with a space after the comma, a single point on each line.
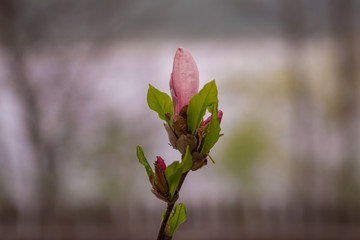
[161, 234]
[165, 220]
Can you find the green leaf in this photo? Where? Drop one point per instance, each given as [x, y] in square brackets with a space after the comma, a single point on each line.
[212, 130]
[177, 218]
[173, 174]
[159, 102]
[143, 161]
[199, 103]
[163, 214]
[186, 162]
[174, 171]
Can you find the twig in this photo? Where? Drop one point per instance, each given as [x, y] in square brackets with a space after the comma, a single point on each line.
[169, 208]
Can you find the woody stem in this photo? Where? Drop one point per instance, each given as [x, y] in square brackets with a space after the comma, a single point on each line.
[165, 220]
[161, 235]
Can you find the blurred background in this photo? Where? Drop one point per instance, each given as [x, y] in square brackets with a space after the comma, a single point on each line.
[74, 77]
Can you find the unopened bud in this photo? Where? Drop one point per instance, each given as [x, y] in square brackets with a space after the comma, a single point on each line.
[159, 182]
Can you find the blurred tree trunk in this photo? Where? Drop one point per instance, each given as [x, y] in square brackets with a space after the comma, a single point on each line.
[293, 27]
[15, 38]
[343, 31]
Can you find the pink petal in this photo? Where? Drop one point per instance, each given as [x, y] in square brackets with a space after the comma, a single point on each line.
[161, 163]
[184, 80]
[206, 122]
[220, 114]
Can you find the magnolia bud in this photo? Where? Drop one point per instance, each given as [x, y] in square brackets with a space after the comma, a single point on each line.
[184, 81]
[159, 182]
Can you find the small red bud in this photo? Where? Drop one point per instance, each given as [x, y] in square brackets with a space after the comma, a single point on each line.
[161, 163]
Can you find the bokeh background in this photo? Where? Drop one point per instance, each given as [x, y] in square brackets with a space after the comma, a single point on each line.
[74, 77]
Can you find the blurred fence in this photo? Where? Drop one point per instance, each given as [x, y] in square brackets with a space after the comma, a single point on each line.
[292, 221]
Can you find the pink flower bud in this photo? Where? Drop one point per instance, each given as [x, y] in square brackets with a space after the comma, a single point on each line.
[161, 163]
[159, 182]
[206, 122]
[184, 81]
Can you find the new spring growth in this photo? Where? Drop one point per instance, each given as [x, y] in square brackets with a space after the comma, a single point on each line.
[188, 133]
[184, 113]
[184, 84]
